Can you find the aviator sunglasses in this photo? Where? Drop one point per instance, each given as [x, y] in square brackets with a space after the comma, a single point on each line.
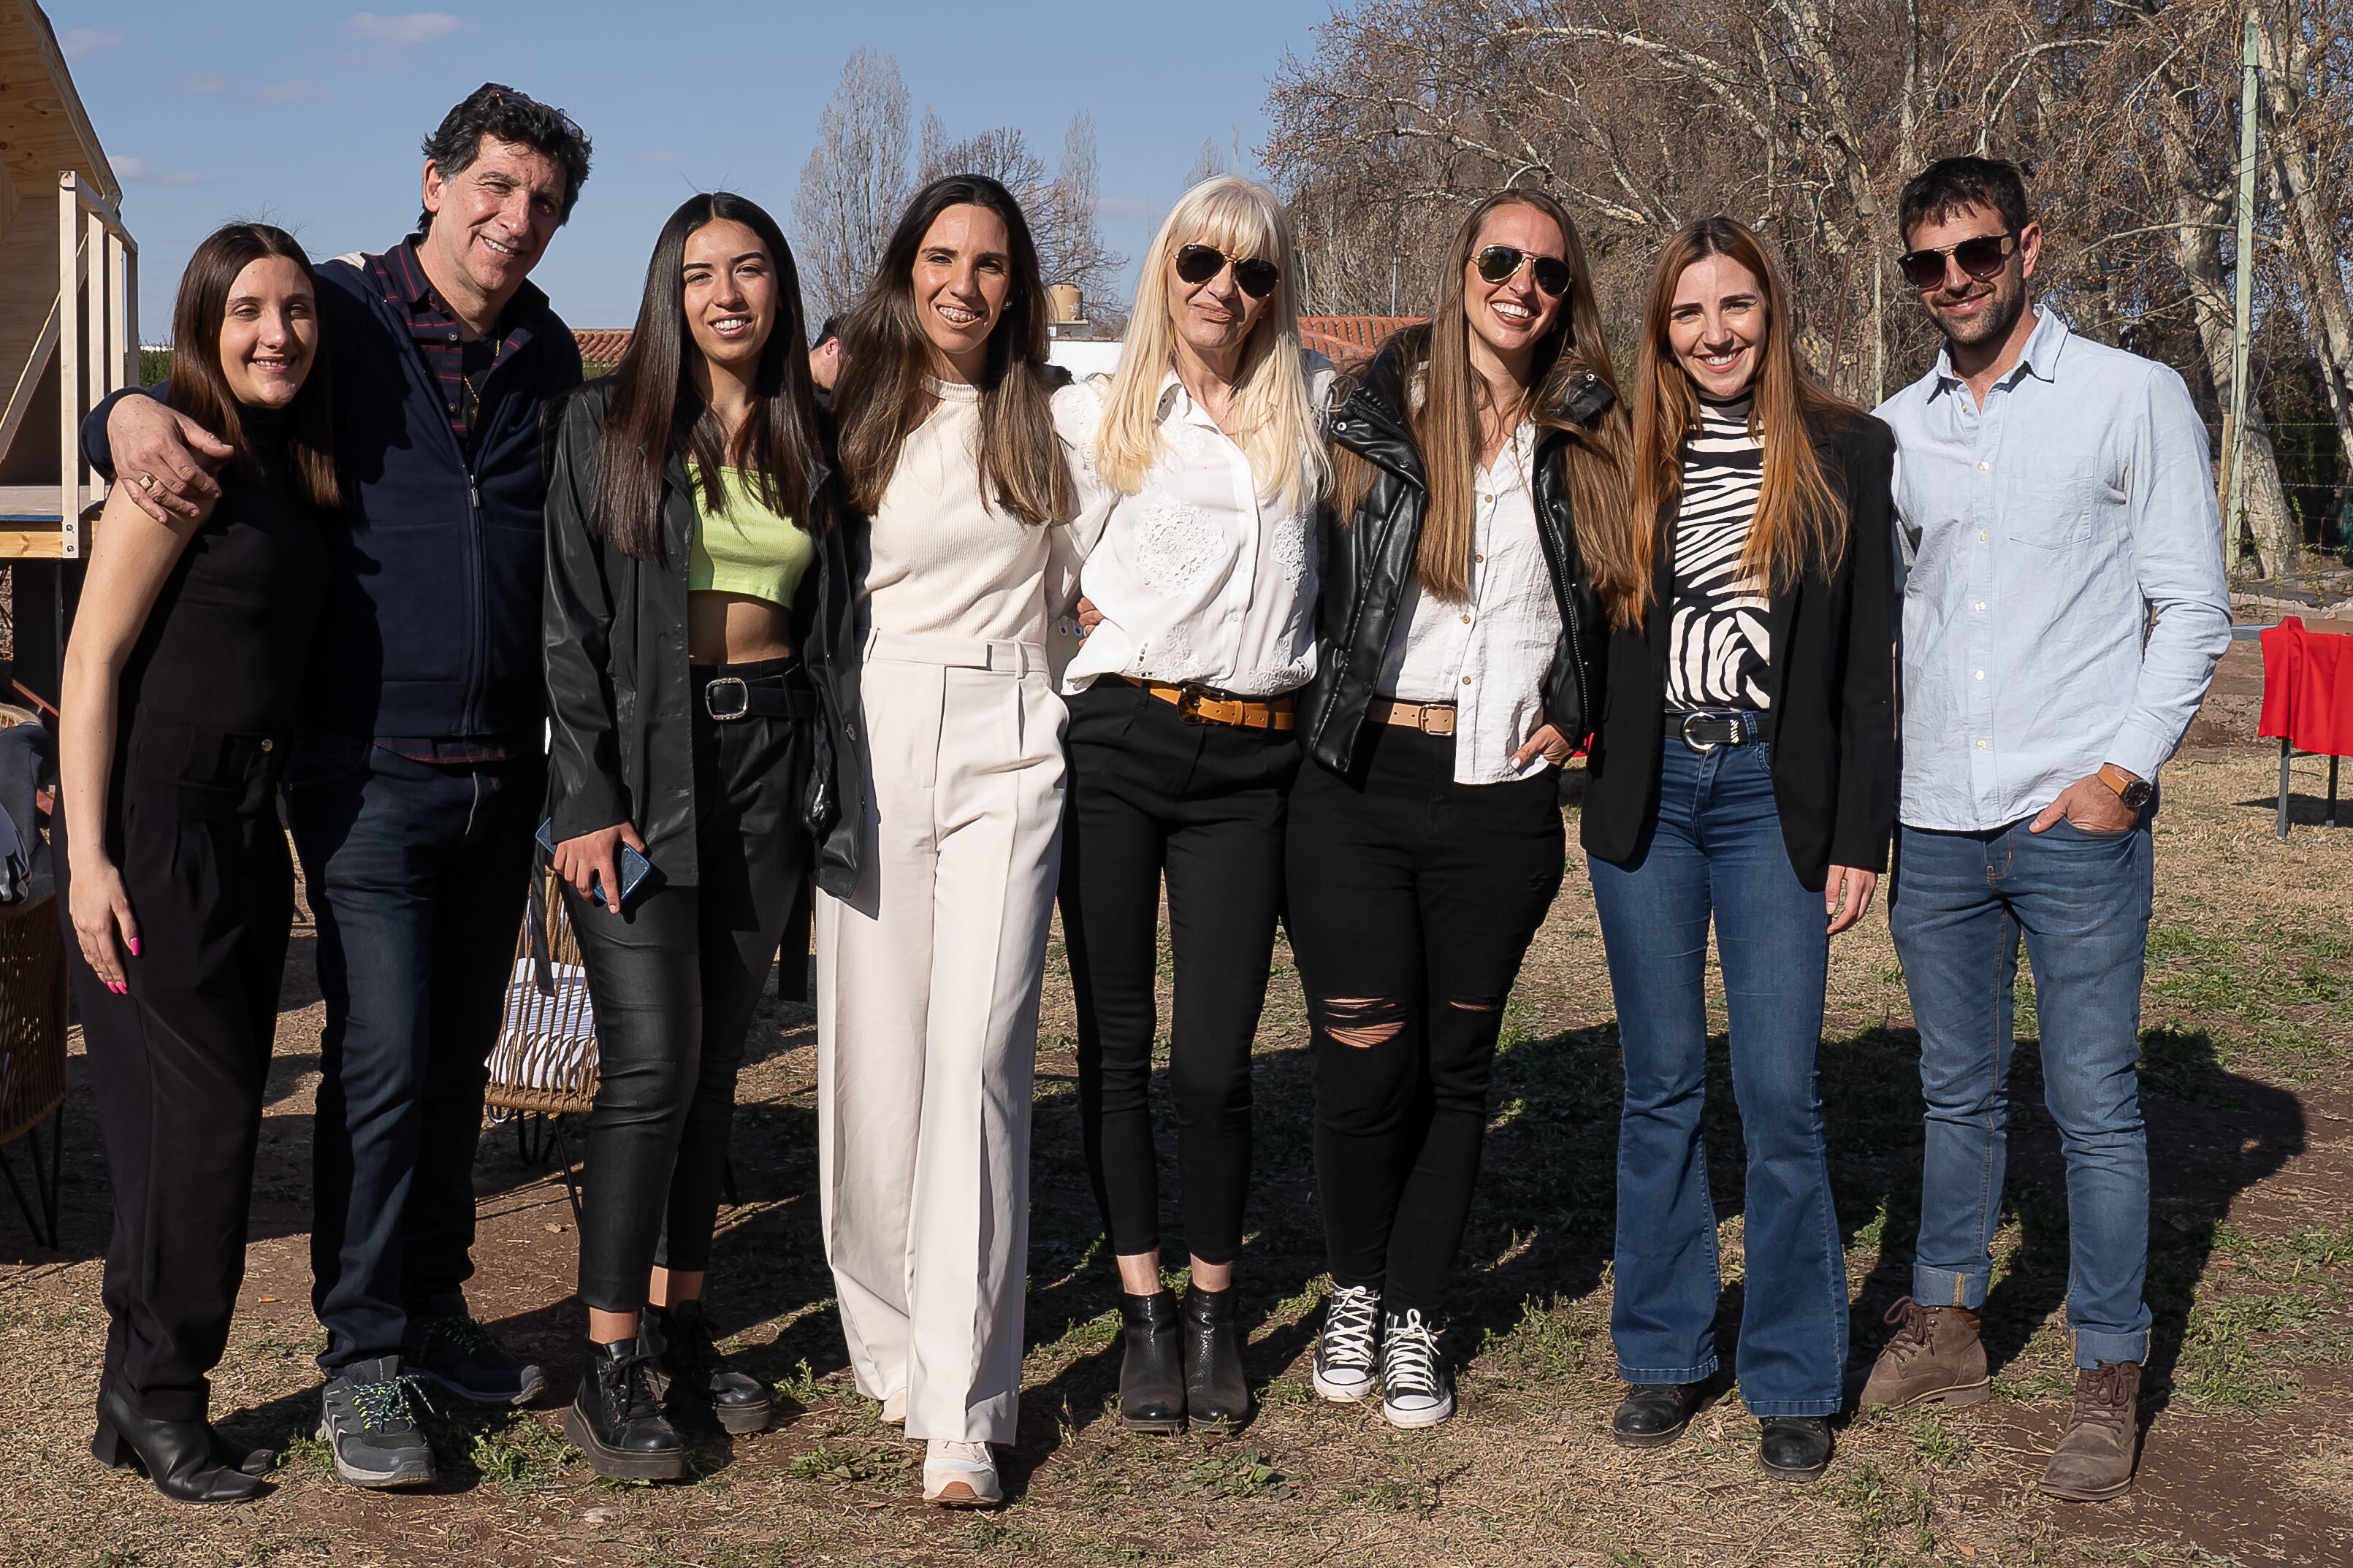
[1199, 263]
[1980, 257]
[1496, 263]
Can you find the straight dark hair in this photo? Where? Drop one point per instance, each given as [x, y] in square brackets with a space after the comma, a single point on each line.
[657, 410]
[1949, 185]
[887, 366]
[200, 386]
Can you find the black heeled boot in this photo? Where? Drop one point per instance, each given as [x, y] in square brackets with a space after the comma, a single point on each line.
[616, 1421]
[1216, 1389]
[1152, 1375]
[185, 1459]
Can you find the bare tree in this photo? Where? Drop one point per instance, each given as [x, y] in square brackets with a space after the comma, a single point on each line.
[854, 182]
[1060, 209]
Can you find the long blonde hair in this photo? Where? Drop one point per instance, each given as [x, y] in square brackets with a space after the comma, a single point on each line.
[1801, 518]
[1275, 414]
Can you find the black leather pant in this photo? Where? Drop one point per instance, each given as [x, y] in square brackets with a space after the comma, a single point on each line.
[675, 978]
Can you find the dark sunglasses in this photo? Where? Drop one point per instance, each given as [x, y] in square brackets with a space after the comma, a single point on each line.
[1496, 263]
[1199, 263]
[1980, 257]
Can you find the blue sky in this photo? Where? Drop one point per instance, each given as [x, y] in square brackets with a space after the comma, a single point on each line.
[309, 115]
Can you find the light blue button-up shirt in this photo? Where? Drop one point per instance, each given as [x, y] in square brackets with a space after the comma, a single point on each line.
[2036, 536]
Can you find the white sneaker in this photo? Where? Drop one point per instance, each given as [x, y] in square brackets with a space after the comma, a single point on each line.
[1415, 1389]
[1346, 1348]
[961, 1474]
[894, 1408]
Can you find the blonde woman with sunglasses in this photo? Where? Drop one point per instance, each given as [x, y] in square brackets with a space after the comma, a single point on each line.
[1202, 465]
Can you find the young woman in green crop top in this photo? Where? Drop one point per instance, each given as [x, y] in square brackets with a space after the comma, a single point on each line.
[679, 526]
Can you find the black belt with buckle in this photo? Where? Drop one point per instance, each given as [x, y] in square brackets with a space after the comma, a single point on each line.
[1706, 731]
[728, 697]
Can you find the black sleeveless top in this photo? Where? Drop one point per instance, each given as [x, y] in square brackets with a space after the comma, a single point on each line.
[223, 651]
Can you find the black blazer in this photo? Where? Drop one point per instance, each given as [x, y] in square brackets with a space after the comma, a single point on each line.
[1832, 727]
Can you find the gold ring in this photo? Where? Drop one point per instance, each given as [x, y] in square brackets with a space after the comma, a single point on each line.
[146, 481]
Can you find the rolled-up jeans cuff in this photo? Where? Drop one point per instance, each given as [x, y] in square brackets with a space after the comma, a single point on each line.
[1667, 1376]
[2092, 1348]
[1949, 1287]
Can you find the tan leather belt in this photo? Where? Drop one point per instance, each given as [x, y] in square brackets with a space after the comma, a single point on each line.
[1200, 705]
[1430, 717]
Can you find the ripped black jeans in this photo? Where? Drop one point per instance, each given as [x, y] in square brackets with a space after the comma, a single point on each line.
[1412, 900]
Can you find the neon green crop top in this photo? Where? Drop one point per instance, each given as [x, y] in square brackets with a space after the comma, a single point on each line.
[744, 548]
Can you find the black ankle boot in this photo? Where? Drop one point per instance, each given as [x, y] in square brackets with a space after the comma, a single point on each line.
[1215, 1388]
[703, 1387]
[1653, 1414]
[1152, 1376]
[1794, 1448]
[615, 1420]
[182, 1458]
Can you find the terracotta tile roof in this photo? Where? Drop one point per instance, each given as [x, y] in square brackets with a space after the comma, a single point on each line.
[1345, 340]
[602, 345]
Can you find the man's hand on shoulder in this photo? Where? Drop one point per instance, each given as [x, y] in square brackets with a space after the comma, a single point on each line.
[2088, 804]
[163, 458]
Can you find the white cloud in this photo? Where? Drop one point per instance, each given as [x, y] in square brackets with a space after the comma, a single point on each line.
[81, 43]
[136, 171]
[406, 30]
[294, 89]
[202, 86]
[661, 155]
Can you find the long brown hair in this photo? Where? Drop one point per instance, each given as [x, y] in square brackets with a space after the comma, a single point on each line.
[1444, 395]
[657, 410]
[200, 386]
[887, 364]
[1801, 518]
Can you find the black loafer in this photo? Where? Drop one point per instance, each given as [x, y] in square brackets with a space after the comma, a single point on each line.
[1655, 1414]
[1795, 1448]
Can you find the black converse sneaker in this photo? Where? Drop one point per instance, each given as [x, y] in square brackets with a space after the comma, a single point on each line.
[1415, 1388]
[1348, 1349]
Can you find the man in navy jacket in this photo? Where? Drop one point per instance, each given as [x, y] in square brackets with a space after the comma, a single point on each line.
[414, 786]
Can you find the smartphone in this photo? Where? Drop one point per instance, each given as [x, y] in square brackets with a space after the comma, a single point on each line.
[634, 866]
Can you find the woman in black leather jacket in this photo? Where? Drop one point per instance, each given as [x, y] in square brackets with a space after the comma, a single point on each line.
[685, 505]
[1477, 495]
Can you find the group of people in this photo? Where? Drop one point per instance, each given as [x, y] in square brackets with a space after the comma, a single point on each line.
[739, 615]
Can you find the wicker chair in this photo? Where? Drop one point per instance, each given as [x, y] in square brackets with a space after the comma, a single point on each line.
[33, 1053]
[543, 1067]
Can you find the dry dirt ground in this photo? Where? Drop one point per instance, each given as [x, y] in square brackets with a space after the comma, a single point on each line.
[2248, 1451]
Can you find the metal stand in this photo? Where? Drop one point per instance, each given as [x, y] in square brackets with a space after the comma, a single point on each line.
[2328, 816]
[541, 1140]
[46, 1187]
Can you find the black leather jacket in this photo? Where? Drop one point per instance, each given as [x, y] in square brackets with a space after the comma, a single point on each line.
[613, 635]
[1368, 560]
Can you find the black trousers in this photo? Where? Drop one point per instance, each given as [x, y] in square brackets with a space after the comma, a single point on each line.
[178, 1065]
[674, 979]
[1151, 792]
[1412, 900]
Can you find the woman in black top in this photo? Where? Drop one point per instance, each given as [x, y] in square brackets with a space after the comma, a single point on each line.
[678, 534]
[1477, 489]
[181, 677]
[1743, 771]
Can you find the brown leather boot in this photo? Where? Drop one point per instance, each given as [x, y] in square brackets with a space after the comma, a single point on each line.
[2093, 1461]
[1936, 1358]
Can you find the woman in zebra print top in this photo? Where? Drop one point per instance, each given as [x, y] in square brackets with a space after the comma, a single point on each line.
[1744, 776]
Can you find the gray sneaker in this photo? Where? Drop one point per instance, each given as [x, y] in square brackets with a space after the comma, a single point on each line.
[366, 1417]
[455, 1352]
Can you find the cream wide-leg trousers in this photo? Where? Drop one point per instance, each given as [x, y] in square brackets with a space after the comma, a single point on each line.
[927, 1027]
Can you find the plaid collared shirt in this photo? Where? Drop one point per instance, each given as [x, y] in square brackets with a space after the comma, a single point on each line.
[440, 338]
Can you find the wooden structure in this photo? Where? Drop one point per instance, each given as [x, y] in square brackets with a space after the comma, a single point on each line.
[68, 325]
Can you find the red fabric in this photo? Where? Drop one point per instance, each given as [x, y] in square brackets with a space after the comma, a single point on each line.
[2308, 687]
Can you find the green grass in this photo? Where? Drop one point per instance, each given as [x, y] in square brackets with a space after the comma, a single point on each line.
[1247, 1473]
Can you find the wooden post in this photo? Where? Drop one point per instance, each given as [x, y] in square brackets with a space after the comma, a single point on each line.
[69, 365]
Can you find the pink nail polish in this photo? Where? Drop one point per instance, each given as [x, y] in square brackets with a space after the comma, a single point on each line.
[134, 947]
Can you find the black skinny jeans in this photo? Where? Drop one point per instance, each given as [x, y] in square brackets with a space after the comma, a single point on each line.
[1412, 900]
[1151, 792]
[675, 978]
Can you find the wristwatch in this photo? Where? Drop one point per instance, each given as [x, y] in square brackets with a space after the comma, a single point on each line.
[2134, 792]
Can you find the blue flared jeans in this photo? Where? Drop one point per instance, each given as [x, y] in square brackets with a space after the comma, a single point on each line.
[1715, 852]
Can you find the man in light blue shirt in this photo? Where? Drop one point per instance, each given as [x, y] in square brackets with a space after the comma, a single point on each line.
[2064, 606]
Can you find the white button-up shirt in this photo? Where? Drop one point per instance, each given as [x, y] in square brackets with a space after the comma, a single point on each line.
[1199, 580]
[1488, 654]
[2037, 535]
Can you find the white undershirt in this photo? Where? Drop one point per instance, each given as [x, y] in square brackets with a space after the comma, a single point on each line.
[1198, 578]
[946, 561]
[1488, 655]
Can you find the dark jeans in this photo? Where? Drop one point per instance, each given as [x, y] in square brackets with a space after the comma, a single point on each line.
[416, 875]
[2081, 900]
[1412, 900]
[178, 1063]
[1151, 792]
[675, 978]
[1715, 848]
